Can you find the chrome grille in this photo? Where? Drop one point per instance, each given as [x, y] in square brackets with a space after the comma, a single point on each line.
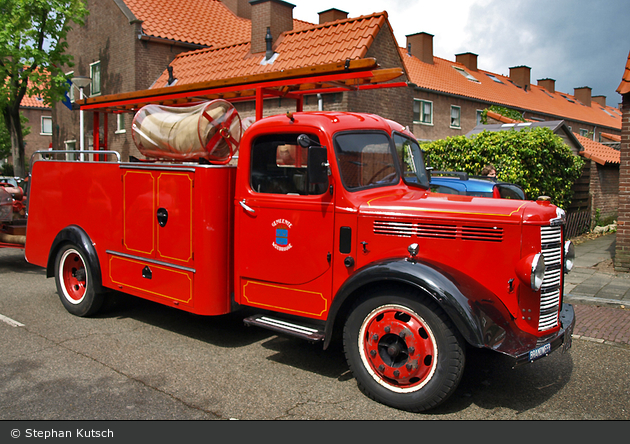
[438, 231]
[551, 245]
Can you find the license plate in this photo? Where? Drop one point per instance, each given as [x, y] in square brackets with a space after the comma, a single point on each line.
[539, 352]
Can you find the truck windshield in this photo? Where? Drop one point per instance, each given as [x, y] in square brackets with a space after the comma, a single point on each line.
[411, 161]
[365, 160]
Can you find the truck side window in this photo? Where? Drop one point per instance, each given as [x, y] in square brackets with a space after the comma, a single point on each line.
[279, 166]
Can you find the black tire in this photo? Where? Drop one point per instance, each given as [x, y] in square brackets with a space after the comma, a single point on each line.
[75, 281]
[403, 350]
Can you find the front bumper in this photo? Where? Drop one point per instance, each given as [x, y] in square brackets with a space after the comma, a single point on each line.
[562, 339]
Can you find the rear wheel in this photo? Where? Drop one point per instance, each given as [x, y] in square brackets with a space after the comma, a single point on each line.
[403, 350]
[75, 282]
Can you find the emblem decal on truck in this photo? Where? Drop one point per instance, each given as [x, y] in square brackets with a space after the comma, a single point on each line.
[282, 226]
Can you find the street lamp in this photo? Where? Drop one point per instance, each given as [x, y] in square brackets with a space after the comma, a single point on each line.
[81, 82]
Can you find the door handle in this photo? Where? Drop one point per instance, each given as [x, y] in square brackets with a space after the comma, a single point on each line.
[162, 216]
[246, 207]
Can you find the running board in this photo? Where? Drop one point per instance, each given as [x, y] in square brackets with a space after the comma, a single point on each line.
[280, 326]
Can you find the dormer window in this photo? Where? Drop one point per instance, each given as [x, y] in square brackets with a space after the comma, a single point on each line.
[496, 79]
[465, 73]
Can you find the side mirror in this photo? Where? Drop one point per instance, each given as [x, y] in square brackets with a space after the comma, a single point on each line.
[317, 169]
[304, 141]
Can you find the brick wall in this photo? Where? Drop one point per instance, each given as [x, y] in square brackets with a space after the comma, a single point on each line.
[391, 103]
[35, 140]
[441, 126]
[622, 253]
[605, 190]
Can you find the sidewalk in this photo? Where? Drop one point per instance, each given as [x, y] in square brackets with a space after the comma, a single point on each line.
[600, 296]
[593, 280]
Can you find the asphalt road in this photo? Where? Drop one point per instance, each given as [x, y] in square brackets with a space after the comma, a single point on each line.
[144, 361]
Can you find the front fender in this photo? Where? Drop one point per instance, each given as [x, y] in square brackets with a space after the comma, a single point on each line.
[75, 235]
[478, 315]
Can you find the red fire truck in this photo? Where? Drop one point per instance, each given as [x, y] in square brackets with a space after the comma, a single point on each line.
[325, 225]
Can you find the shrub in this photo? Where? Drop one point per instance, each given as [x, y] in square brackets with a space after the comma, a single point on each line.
[536, 159]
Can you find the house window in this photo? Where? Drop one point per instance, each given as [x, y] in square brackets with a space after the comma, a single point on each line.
[46, 126]
[71, 90]
[583, 132]
[456, 116]
[120, 124]
[95, 74]
[479, 114]
[423, 111]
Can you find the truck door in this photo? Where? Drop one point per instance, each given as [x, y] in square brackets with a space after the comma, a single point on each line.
[284, 231]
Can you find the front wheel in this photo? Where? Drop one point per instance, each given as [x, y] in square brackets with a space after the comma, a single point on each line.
[403, 350]
[75, 282]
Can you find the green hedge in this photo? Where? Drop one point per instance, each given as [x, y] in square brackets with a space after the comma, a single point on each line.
[536, 159]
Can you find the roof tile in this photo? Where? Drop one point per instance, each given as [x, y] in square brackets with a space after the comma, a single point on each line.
[308, 46]
[599, 153]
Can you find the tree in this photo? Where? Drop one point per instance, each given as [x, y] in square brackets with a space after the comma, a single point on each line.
[536, 159]
[5, 138]
[32, 52]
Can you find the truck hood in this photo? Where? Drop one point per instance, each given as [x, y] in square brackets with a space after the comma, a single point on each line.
[415, 204]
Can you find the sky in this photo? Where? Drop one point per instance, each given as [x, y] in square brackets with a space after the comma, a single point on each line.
[575, 42]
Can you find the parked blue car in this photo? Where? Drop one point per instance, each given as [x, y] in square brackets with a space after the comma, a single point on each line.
[453, 182]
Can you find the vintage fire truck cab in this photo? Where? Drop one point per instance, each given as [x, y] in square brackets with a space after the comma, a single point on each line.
[327, 228]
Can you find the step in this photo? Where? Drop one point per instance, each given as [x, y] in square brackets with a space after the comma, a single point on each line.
[286, 327]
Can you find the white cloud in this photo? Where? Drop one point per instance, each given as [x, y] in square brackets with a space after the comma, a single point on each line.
[576, 42]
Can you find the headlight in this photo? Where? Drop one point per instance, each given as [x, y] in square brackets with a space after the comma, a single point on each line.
[569, 256]
[531, 270]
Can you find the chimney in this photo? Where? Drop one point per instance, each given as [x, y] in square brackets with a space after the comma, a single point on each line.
[421, 46]
[521, 76]
[599, 99]
[240, 8]
[583, 94]
[468, 59]
[330, 15]
[548, 84]
[277, 15]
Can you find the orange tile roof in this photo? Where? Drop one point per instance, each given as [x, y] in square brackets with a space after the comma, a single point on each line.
[597, 152]
[202, 22]
[612, 137]
[624, 86]
[442, 77]
[315, 45]
[33, 102]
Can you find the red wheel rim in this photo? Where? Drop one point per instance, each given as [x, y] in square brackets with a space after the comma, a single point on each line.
[73, 276]
[398, 348]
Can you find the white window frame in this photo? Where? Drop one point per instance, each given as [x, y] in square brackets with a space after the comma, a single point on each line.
[479, 113]
[421, 114]
[458, 123]
[67, 143]
[44, 133]
[71, 91]
[96, 79]
[120, 119]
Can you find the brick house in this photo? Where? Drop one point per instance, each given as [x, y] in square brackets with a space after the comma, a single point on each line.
[126, 44]
[622, 252]
[450, 96]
